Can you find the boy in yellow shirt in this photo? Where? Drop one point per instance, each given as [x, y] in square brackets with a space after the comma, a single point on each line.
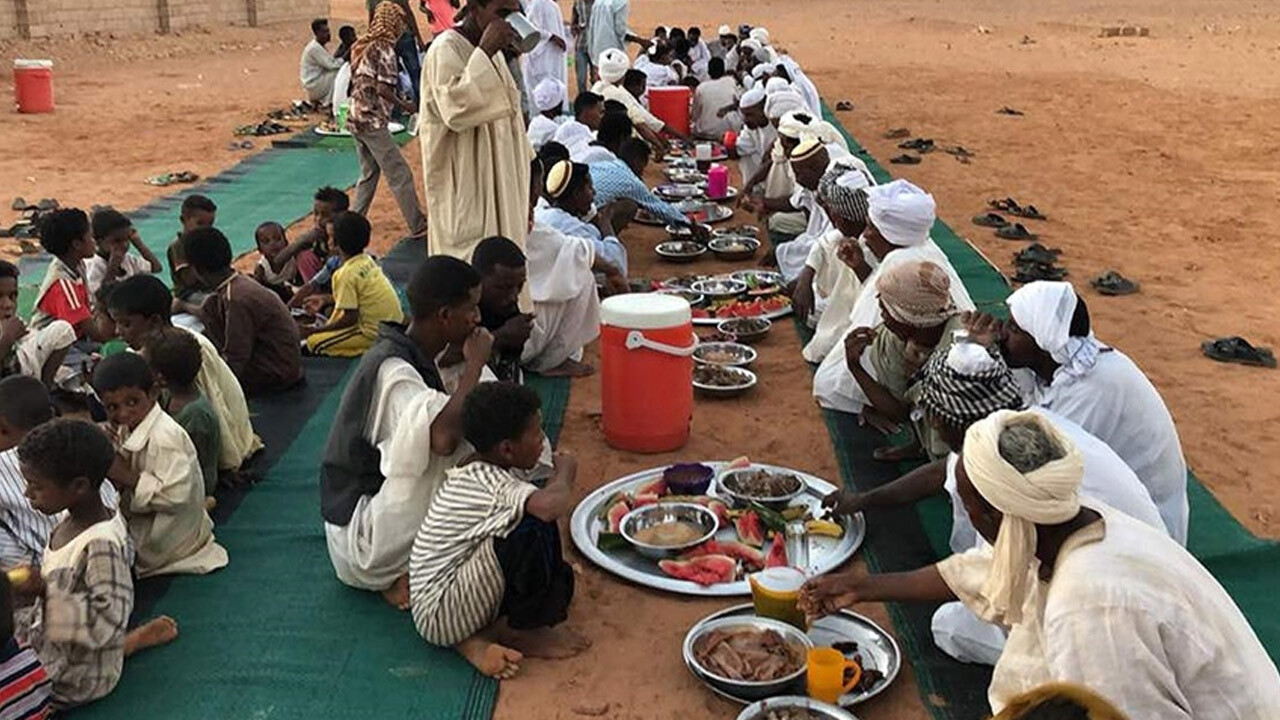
[363, 297]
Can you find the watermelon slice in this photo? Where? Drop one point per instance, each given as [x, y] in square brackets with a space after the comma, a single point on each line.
[617, 511]
[777, 556]
[721, 510]
[704, 570]
[644, 499]
[749, 528]
[751, 557]
[739, 463]
[657, 487]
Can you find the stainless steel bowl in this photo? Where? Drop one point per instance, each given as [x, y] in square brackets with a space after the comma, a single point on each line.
[689, 296]
[651, 515]
[739, 499]
[743, 355]
[734, 247]
[816, 708]
[684, 232]
[680, 251]
[761, 277]
[720, 287]
[750, 231]
[732, 326]
[749, 381]
[748, 689]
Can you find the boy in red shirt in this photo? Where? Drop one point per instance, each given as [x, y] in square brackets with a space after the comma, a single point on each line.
[66, 234]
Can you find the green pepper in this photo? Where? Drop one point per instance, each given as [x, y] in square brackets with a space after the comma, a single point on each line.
[772, 519]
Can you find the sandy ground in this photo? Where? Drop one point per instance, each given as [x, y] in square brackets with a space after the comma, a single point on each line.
[1155, 156]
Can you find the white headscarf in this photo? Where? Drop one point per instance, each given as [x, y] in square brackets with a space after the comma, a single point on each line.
[794, 124]
[751, 98]
[613, 64]
[762, 69]
[775, 85]
[1044, 310]
[757, 50]
[760, 35]
[1045, 496]
[902, 212]
[549, 94]
[782, 102]
[726, 30]
[576, 138]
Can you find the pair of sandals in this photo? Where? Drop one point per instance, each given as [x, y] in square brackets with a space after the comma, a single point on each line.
[1113, 283]
[173, 178]
[1237, 350]
[1004, 229]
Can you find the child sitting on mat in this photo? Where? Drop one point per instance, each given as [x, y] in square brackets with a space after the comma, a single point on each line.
[83, 591]
[317, 261]
[113, 262]
[281, 275]
[363, 297]
[157, 472]
[64, 295]
[174, 356]
[489, 547]
[189, 291]
[35, 353]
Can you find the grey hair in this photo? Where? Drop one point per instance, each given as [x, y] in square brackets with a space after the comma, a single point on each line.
[1026, 446]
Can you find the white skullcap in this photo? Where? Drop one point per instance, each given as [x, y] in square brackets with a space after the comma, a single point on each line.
[575, 136]
[1048, 495]
[783, 102]
[751, 98]
[726, 30]
[613, 64]
[902, 212]
[760, 35]
[775, 84]
[549, 94]
[807, 148]
[968, 358]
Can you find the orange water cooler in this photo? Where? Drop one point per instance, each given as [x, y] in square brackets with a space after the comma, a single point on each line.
[33, 85]
[646, 371]
[671, 105]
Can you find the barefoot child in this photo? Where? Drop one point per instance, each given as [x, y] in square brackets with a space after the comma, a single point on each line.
[113, 262]
[83, 591]
[272, 271]
[37, 354]
[140, 307]
[26, 692]
[363, 297]
[489, 547]
[174, 356]
[157, 472]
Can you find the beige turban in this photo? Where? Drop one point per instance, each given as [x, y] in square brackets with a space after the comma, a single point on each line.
[613, 64]
[917, 293]
[1047, 495]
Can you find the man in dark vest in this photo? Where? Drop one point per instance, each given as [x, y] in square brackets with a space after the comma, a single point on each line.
[399, 428]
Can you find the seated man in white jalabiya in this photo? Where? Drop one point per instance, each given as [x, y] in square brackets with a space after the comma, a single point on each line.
[1088, 594]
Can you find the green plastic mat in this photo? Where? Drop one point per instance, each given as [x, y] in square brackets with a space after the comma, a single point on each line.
[1242, 562]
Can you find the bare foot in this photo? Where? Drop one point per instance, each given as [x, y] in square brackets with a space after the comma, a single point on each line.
[570, 368]
[490, 658]
[398, 593]
[555, 643]
[210, 502]
[157, 631]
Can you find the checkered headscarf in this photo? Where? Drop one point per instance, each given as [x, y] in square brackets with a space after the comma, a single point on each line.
[966, 384]
[844, 195]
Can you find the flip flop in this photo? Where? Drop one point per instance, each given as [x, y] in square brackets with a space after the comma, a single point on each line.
[1037, 253]
[1008, 204]
[990, 220]
[1016, 231]
[844, 106]
[1030, 212]
[1238, 350]
[920, 145]
[1031, 272]
[897, 133]
[20, 203]
[1006, 110]
[1113, 283]
[905, 159]
[960, 151]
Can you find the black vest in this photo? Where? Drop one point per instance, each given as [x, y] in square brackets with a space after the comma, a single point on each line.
[351, 463]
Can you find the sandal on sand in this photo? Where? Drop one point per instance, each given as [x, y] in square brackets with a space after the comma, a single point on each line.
[1008, 205]
[1031, 272]
[897, 133]
[1037, 253]
[1113, 283]
[905, 159]
[920, 145]
[990, 220]
[1006, 110]
[1030, 212]
[174, 178]
[844, 106]
[1016, 231]
[1238, 350]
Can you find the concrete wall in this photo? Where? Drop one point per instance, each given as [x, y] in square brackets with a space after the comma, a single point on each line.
[48, 18]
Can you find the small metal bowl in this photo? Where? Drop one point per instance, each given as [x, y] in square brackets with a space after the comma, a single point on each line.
[750, 231]
[734, 248]
[678, 191]
[747, 378]
[694, 299]
[743, 355]
[742, 499]
[651, 515]
[760, 277]
[686, 176]
[720, 287]
[760, 710]
[680, 251]
[749, 689]
[738, 328]
[684, 232]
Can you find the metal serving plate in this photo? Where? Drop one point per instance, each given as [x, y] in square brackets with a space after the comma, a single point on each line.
[817, 708]
[394, 128]
[878, 649]
[770, 316]
[705, 212]
[825, 554]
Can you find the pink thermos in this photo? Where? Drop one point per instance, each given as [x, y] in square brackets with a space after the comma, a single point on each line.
[717, 181]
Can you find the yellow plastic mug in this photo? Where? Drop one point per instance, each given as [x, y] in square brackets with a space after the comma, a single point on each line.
[775, 592]
[826, 674]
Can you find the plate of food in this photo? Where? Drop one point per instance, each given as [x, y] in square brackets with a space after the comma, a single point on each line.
[685, 176]
[672, 192]
[742, 306]
[747, 656]
[722, 381]
[855, 636]
[680, 251]
[730, 194]
[694, 299]
[746, 539]
[750, 231]
[734, 249]
[680, 282]
[719, 288]
[794, 707]
[696, 211]
[329, 128]
[760, 283]
[732, 354]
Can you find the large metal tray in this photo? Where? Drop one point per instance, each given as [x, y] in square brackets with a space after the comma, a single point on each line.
[878, 649]
[825, 554]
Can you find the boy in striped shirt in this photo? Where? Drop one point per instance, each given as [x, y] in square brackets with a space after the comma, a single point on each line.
[486, 575]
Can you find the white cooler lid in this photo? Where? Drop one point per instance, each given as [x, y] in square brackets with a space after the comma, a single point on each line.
[21, 64]
[645, 311]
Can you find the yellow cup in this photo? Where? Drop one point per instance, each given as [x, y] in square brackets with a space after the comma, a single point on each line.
[826, 675]
[775, 592]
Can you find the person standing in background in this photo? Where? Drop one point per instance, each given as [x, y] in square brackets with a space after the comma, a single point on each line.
[440, 14]
[409, 45]
[580, 24]
[608, 27]
[547, 60]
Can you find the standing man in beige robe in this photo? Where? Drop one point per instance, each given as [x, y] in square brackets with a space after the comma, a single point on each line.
[475, 151]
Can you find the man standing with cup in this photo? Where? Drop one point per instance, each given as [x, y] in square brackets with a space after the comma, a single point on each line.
[475, 151]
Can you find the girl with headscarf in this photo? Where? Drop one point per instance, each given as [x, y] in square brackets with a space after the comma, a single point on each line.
[375, 76]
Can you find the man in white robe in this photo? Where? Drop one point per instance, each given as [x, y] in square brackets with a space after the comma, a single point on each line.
[547, 60]
[475, 147]
[1089, 595]
[548, 99]
[899, 216]
[757, 136]
[1096, 386]
[802, 84]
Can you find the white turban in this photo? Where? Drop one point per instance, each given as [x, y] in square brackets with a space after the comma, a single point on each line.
[794, 124]
[762, 69]
[775, 85]
[783, 102]
[726, 30]
[1047, 495]
[549, 94]
[751, 98]
[1044, 310]
[613, 64]
[760, 35]
[916, 293]
[902, 212]
[757, 50]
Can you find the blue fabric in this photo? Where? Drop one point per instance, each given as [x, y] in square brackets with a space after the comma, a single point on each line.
[323, 279]
[609, 249]
[614, 180]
